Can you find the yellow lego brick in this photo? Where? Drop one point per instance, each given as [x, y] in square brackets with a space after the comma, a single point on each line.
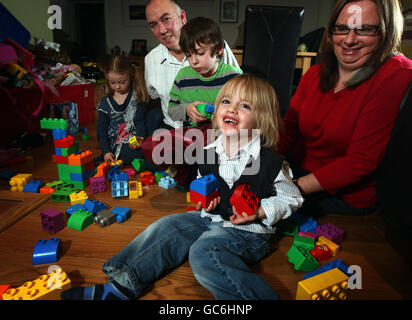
[188, 197]
[134, 142]
[118, 162]
[329, 285]
[79, 197]
[19, 181]
[46, 287]
[135, 190]
[334, 248]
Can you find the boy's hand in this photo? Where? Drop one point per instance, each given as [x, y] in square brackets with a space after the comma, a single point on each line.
[137, 146]
[237, 218]
[194, 114]
[213, 204]
[109, 157]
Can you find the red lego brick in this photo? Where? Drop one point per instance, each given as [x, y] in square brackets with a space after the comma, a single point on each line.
[321, 252]
[46, 190]
[61, 159]
[147, 178]
[205, 200]
[3, 289]
[81, 159]
[65, 142]
[244, 200]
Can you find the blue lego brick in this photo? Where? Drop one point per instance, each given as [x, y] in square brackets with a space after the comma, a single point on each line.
[120, 176]
[337, 263]
[33, 186]
[94, 206]
[58, 151]
[60, 134]
[113, 171]
[46, 251]
[74, 208]
[120, 189]
[122, 214]
[210, 108]
[307, 224]
[167, 183]
[77, 176]
[205, 185]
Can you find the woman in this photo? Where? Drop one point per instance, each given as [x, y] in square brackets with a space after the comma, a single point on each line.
[339, 121]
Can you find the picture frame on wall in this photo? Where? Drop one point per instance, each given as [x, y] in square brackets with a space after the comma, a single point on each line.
[139, 48]
[134, 13]
[229, 11]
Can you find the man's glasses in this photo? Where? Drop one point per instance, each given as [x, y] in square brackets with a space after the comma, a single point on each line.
[366, 30]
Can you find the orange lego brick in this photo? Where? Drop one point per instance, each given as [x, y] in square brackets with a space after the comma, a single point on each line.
[81, 159]
[3, 288]
[103, 169]
[46, 287]
[46, 190]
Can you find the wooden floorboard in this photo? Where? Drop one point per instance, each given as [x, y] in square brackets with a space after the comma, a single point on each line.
[385, 274]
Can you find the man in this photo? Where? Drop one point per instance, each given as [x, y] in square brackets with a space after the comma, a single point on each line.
[165, 18]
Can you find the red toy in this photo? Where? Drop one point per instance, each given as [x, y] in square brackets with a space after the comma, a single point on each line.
[321, 252]
[244, 200]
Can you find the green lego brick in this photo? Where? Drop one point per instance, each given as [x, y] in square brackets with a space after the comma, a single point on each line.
[76, 169]
[61, 196]
[80, 184]
[304, 242]
[302, 259]
[158, 176]
[139, 165]
[80, 220]
[289, 226]
[68, 151]
[49, 123]
[54, 184]
[64, 172]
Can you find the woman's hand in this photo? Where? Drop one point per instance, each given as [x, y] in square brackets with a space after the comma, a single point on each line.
[109, 157]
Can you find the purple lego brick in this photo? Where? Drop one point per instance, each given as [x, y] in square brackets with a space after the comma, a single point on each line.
[52, 220]
[97, 184]
[331, 232]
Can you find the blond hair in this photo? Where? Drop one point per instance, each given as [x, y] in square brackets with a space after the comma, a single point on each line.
[122, 64]
[262, 97]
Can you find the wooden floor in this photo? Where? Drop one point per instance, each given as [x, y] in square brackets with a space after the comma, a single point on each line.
[385, 274]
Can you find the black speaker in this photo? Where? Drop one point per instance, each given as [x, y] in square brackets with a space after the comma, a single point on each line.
[270, 44]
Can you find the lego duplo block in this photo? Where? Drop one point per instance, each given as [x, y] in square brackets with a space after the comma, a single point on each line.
[244, 200]
[59, 133]
[65, 142]
[54, 184]
[122, 214]
[307, 224]
[81, 159]
[52, 220]
[329, 285]
[60, 159]
[118, 162]
[304, 242]
[205, 185]
[147, 178]
[120, 189]
[139, 164]
[331, 232]
[337, 263]
[334, 248]
[94, 206]
[205, 200]
[80, 184]
[49, 123]
[46, 190]
[102, 169]
[46, 251]
[134, 141]
[33, 186]
[135, 190]
[302, 259]
[80, 220]
[159, 175]
[105, 218]
[114, 170]
[19, 181]
[46, 287]
[171, 171]
[79, 197]
[73, 209]
[97, 184]
[321, 252]
[67, 151]
[307, 234]
[3, 289]
[64, 172]
[130, 172]
[167, 182]
[289, 226]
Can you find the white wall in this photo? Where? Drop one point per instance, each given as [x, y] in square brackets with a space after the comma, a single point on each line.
[121, 32]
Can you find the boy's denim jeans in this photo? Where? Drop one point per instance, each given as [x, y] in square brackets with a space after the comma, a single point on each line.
[219, 257]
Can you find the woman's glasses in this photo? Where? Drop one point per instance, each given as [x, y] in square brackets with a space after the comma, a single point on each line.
[366, 30]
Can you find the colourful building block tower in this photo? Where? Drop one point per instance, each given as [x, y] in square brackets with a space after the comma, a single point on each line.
[204, 190]
[72, 167]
